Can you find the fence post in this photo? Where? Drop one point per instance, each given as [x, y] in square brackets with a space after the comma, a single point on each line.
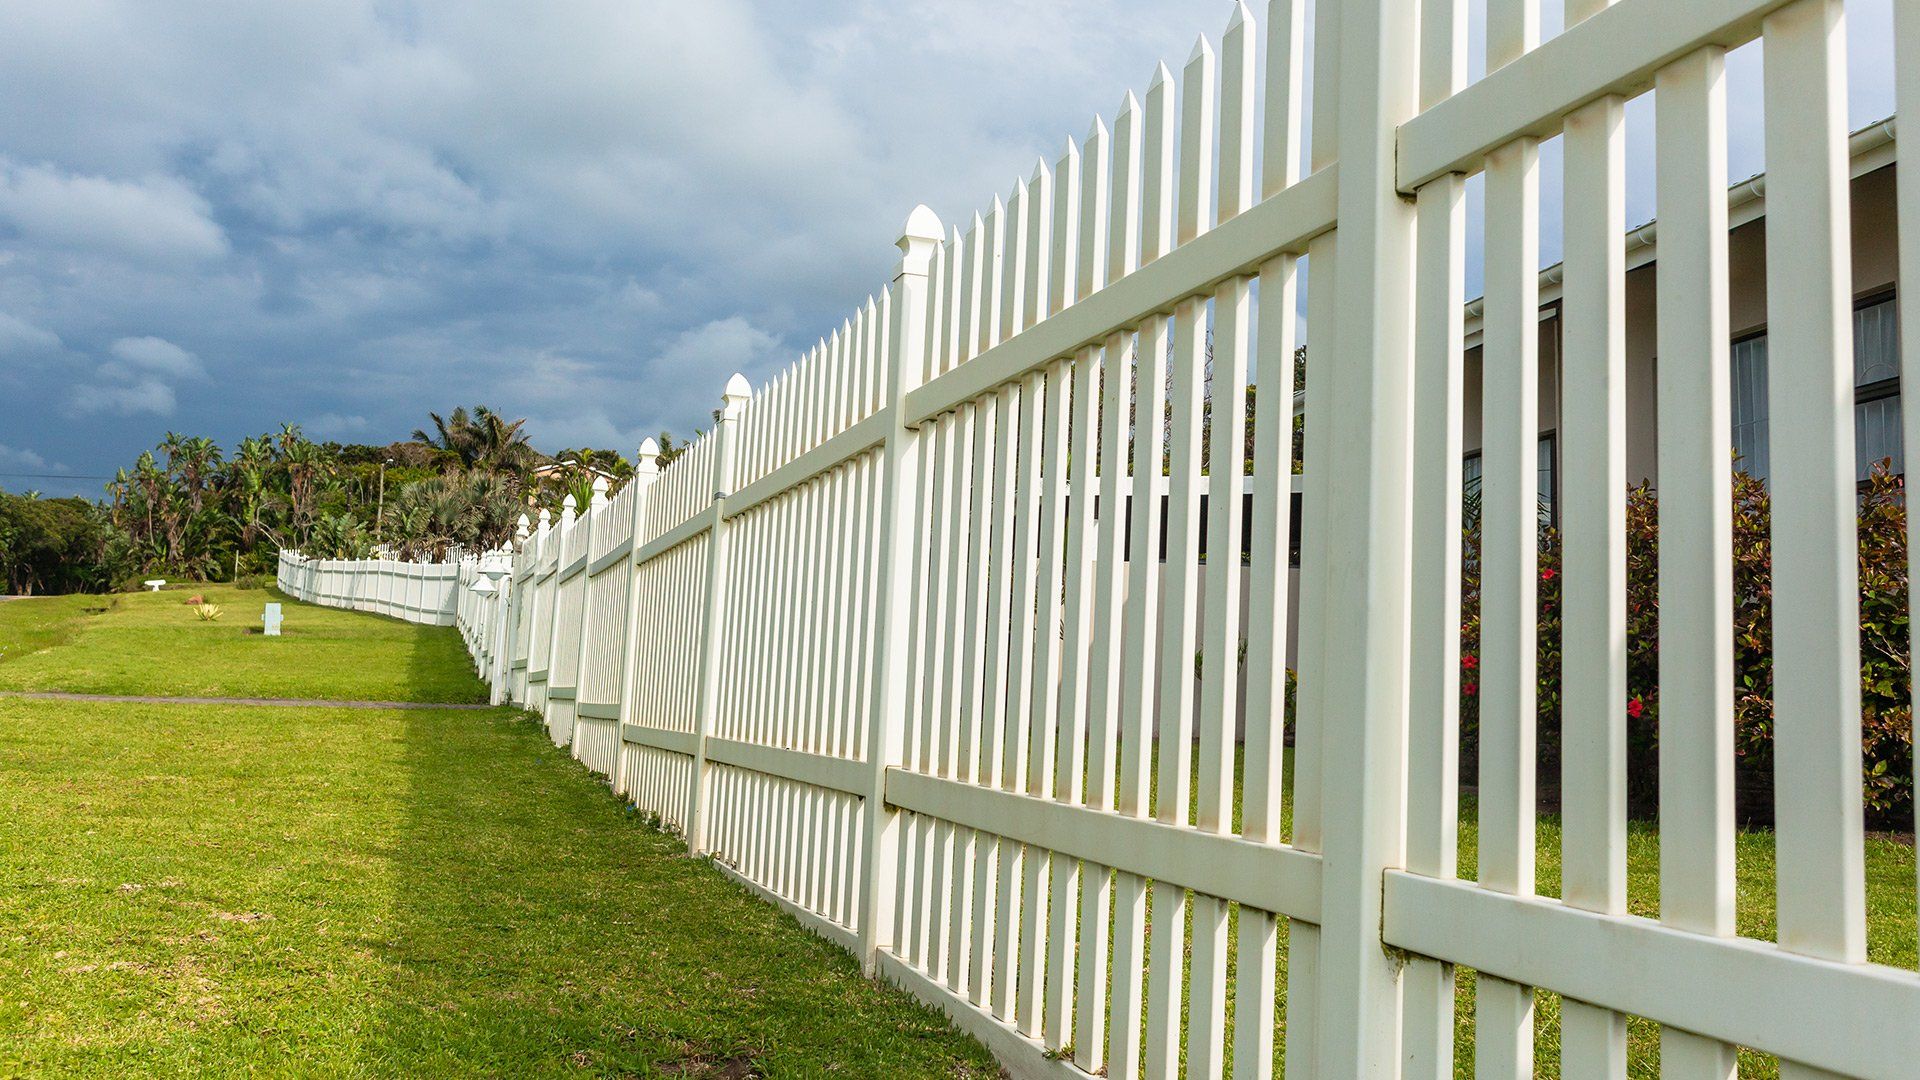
[1369, 493]
[512, 600]
[646, 469]
[539, 649]
[596, 506]
[875, 909]
[733, 402]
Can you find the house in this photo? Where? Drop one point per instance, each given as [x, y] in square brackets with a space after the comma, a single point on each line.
[563, 470]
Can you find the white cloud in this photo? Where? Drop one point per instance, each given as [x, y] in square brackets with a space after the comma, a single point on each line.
[334, 425]
[155, 217]
[23, 459]
[140, 379]
[158, 355]
[723, 345]
[124, 399]
[18, 335]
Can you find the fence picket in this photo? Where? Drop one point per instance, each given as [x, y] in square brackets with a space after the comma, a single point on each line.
[1696, 529]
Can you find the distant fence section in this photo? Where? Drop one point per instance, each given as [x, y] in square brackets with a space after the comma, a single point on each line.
[417, 592]
[874, 645]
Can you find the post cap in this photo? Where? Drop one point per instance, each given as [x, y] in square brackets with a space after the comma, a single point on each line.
[922, 224]
[919, 239]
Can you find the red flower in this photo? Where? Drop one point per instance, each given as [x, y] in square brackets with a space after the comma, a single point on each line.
[1547, 574]
[1635, 708]
[1470, 688]
[1469, 662]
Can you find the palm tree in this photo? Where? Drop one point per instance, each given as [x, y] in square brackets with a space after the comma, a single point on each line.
[305, 463]
[452, 434]
[476, 512]
[482, 440]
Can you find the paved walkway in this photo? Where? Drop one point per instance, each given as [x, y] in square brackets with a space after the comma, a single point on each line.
[297, 703]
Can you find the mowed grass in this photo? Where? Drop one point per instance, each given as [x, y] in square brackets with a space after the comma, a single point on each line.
[224, 890]
[154, 643]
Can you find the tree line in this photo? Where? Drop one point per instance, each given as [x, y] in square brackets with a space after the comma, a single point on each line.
[191, 509]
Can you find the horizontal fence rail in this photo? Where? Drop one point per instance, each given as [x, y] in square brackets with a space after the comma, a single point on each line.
[924, 641]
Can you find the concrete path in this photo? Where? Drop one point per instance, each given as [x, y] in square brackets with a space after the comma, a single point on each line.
[298, 703]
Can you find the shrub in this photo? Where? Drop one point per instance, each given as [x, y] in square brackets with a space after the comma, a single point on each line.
[1885, 675]
[208, 612]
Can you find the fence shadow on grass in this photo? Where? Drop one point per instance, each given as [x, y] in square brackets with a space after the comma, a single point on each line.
[538, 927]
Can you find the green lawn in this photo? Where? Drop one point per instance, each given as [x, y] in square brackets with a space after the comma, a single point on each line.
[193, 889]
[219, 890]
[154, 643]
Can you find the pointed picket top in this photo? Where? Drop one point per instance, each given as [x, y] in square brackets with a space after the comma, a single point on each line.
[1066, 218]
[1090, 260]
[1237, 110]
[1041, 170]
[600, 486]
[522, 530]
[1195, 202]
[569, 509]
[546, 519]
[1156, 174]
[1123, 227]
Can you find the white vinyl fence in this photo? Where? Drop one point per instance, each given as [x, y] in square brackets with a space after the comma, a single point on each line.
[416, 592]
[862, 646]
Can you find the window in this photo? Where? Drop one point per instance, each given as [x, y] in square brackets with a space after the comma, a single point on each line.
[1750, 406]
[1470, 478]
[1876, 389]
[1876, 381]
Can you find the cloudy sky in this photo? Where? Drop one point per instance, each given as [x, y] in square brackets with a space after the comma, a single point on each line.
[218, 215]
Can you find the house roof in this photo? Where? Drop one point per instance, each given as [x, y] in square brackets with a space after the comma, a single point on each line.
[1871, 147]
